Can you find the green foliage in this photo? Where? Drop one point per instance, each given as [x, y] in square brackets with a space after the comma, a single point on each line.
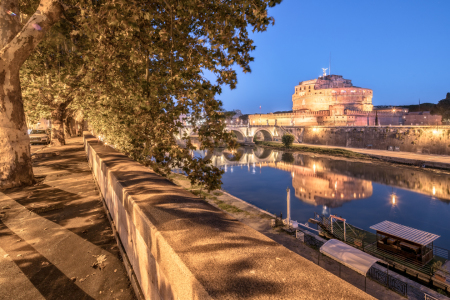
[228, 207]
[443, 108]
[421, 107]
[317, 150]
[287, 140]
[229, 114]
[442, 292]
[287, 158]
[53, 76]
[437, 265]
[144, 64]
[244, 118]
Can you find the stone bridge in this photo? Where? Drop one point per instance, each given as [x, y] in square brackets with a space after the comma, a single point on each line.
[246, 133]
[241, 156]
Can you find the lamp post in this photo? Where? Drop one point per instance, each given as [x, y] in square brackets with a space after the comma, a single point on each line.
[288, 215]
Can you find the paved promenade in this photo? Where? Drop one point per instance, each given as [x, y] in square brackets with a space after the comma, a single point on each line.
[55, 239]
[427, 160]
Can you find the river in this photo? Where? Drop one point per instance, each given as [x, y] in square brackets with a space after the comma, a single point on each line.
[364, 193]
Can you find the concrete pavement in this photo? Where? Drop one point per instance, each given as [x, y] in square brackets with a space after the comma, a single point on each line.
[55, 239]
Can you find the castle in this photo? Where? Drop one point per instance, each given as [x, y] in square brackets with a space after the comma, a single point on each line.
[331, 100]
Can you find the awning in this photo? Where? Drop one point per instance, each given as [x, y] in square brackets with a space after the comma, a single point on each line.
[404, 232]
[353, 258]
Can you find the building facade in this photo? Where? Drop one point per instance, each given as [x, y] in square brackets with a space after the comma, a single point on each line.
[330, 90]
[331, 100]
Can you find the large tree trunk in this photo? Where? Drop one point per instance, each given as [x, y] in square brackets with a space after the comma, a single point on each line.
[15, 158]
[16, 45]
[58, 126]
[67, 128]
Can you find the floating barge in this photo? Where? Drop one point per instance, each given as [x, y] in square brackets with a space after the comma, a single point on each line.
[404, 248]
[414, 244]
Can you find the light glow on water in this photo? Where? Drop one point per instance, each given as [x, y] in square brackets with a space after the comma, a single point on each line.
[360, 192]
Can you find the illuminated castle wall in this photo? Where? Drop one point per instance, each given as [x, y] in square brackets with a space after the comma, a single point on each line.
[330, 100]
[323, 92]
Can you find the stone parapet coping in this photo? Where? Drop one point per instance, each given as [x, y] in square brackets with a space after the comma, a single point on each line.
[181, 247]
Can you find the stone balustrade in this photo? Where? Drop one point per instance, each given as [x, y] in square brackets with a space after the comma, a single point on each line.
[181, 247]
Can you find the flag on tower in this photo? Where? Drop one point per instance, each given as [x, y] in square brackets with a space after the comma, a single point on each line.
[260, 107]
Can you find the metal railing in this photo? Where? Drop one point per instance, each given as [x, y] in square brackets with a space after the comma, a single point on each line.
[386, 278]
[366, 241]
[388, 281]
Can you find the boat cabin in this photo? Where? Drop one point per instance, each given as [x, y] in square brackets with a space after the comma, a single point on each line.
[404, 241]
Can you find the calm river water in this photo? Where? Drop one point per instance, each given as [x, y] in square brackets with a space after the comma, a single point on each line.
[363, 193]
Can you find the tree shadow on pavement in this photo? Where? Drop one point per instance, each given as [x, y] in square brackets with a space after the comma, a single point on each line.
[46, 277]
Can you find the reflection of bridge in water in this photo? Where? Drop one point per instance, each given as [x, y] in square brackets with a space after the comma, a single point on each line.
[240, 157]
[312, 185]
[313, 177]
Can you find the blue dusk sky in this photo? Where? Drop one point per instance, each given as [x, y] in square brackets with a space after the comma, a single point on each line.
[398, 48]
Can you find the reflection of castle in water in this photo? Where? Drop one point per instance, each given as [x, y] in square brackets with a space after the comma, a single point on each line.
[314, 177]
[318, 187]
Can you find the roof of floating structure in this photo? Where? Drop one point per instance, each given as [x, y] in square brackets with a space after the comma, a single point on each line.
[404, 232]
[353, 258]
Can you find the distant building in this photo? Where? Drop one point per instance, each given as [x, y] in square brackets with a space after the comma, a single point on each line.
[422, 118]
[334, 101]
[330, 90]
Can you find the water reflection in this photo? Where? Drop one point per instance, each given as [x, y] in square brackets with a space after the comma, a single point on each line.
[331, 182]
[319, 187]
[364, 193]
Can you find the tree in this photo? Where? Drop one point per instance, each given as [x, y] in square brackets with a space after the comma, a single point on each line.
[376, 118]
[53, 80]
[17, 41]
[146, 68]
[443, 108]
[287, 140]
[287, 158]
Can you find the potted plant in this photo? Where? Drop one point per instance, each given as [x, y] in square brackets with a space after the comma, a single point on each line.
[439, 271]
[358, 241]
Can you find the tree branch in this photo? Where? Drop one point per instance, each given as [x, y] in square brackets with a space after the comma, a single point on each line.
[9, 21]
[16, 52]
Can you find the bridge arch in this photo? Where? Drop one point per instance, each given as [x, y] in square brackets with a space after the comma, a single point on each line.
[240, 137]
[262, 153]
[266, 134]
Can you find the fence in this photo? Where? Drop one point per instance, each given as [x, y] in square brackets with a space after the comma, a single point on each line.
[366, 241]
[377, 275]
[388, 281]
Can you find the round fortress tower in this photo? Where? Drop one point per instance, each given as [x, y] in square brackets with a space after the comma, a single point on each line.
[319, 94]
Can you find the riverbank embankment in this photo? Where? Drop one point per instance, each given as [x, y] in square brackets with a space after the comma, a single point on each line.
[259, 220]
[408, 158]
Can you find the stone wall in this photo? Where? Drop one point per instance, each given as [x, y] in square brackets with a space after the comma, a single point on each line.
[181, 247]
[418, 139]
